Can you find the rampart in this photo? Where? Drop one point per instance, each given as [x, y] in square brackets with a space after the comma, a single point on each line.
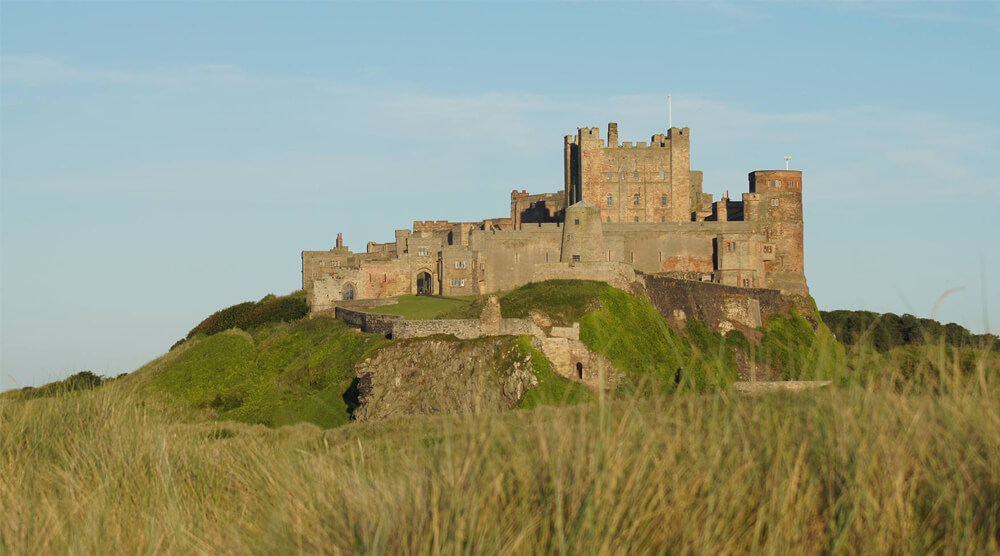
[368, 322]
[463, 329]
[720, 307]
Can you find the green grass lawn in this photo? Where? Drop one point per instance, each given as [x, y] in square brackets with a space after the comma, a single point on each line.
[422, 307]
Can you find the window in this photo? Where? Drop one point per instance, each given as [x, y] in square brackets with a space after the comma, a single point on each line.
[423, 252]
[768, 248]
[777, 183]
[663, 218]
[459, 264]
[662, 173]
[746, 282]
[774, 202]
[770, 183]
[611, 200]
[636, 219]
[609, 220]
[458, 283]
[635, 200]
[576, 258]
[635, 176]
[663, 200]
[607, 176]
[576, 221]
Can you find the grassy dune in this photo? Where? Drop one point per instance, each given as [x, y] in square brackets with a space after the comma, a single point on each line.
[871, 468]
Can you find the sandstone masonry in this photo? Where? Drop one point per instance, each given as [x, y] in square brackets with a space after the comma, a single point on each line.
[625, 208]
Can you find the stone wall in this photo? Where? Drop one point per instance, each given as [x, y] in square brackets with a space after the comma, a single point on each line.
[463, 329]
[722, 308]
[368, 322]
[359, 304]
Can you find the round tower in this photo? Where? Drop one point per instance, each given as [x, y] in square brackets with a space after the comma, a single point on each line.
[776, 208]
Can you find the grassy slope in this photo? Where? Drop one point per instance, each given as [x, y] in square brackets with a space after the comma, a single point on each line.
[631, 333]
[287, 372]
[422, 307]
[552, 389]
[282, 373]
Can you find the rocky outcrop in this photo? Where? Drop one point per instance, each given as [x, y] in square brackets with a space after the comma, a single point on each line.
[442, 375]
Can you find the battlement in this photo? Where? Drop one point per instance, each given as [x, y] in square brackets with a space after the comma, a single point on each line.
[775, 181]
[659, 140]
[432, 225]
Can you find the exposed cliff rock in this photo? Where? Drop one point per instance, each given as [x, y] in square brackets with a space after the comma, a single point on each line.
[443, 375]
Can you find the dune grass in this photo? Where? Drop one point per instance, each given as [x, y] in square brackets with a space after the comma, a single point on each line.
[858, 469]
[422, 307]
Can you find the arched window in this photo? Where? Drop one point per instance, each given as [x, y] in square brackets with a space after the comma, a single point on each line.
[611, 200]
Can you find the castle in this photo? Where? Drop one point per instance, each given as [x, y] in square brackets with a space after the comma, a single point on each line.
[625, 209]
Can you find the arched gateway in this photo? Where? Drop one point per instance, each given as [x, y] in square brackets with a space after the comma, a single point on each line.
[425, 285]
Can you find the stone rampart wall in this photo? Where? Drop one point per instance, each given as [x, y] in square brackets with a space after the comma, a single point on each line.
[720, 307]
[360, 304]
[463, 329]
[368, 322]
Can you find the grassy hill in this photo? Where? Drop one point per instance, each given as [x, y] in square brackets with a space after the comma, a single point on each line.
[900, 456]
[263, 362]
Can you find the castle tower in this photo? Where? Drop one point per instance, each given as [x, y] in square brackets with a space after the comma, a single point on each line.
[582, 234]
[629, 182]
[774, 203]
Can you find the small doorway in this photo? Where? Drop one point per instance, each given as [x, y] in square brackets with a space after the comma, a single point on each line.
[349, 292]
[424, 284]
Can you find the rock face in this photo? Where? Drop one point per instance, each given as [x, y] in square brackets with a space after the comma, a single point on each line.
[441, 375]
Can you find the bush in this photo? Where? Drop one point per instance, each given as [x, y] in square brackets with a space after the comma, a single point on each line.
[248, 314]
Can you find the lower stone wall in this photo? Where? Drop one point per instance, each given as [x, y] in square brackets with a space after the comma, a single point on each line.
[722, 308]
[368, 322]
[463, 329]
[359, 304]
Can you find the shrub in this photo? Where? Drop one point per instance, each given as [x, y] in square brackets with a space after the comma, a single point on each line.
[248, 314]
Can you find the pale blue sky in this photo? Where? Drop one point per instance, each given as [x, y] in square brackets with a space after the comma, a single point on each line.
[160, 161]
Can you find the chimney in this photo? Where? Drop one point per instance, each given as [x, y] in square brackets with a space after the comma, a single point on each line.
[612, 134]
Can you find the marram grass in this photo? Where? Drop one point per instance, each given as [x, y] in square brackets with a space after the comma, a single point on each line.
[870, 469]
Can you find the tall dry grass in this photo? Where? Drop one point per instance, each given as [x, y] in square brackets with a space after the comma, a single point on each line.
[857, 469]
